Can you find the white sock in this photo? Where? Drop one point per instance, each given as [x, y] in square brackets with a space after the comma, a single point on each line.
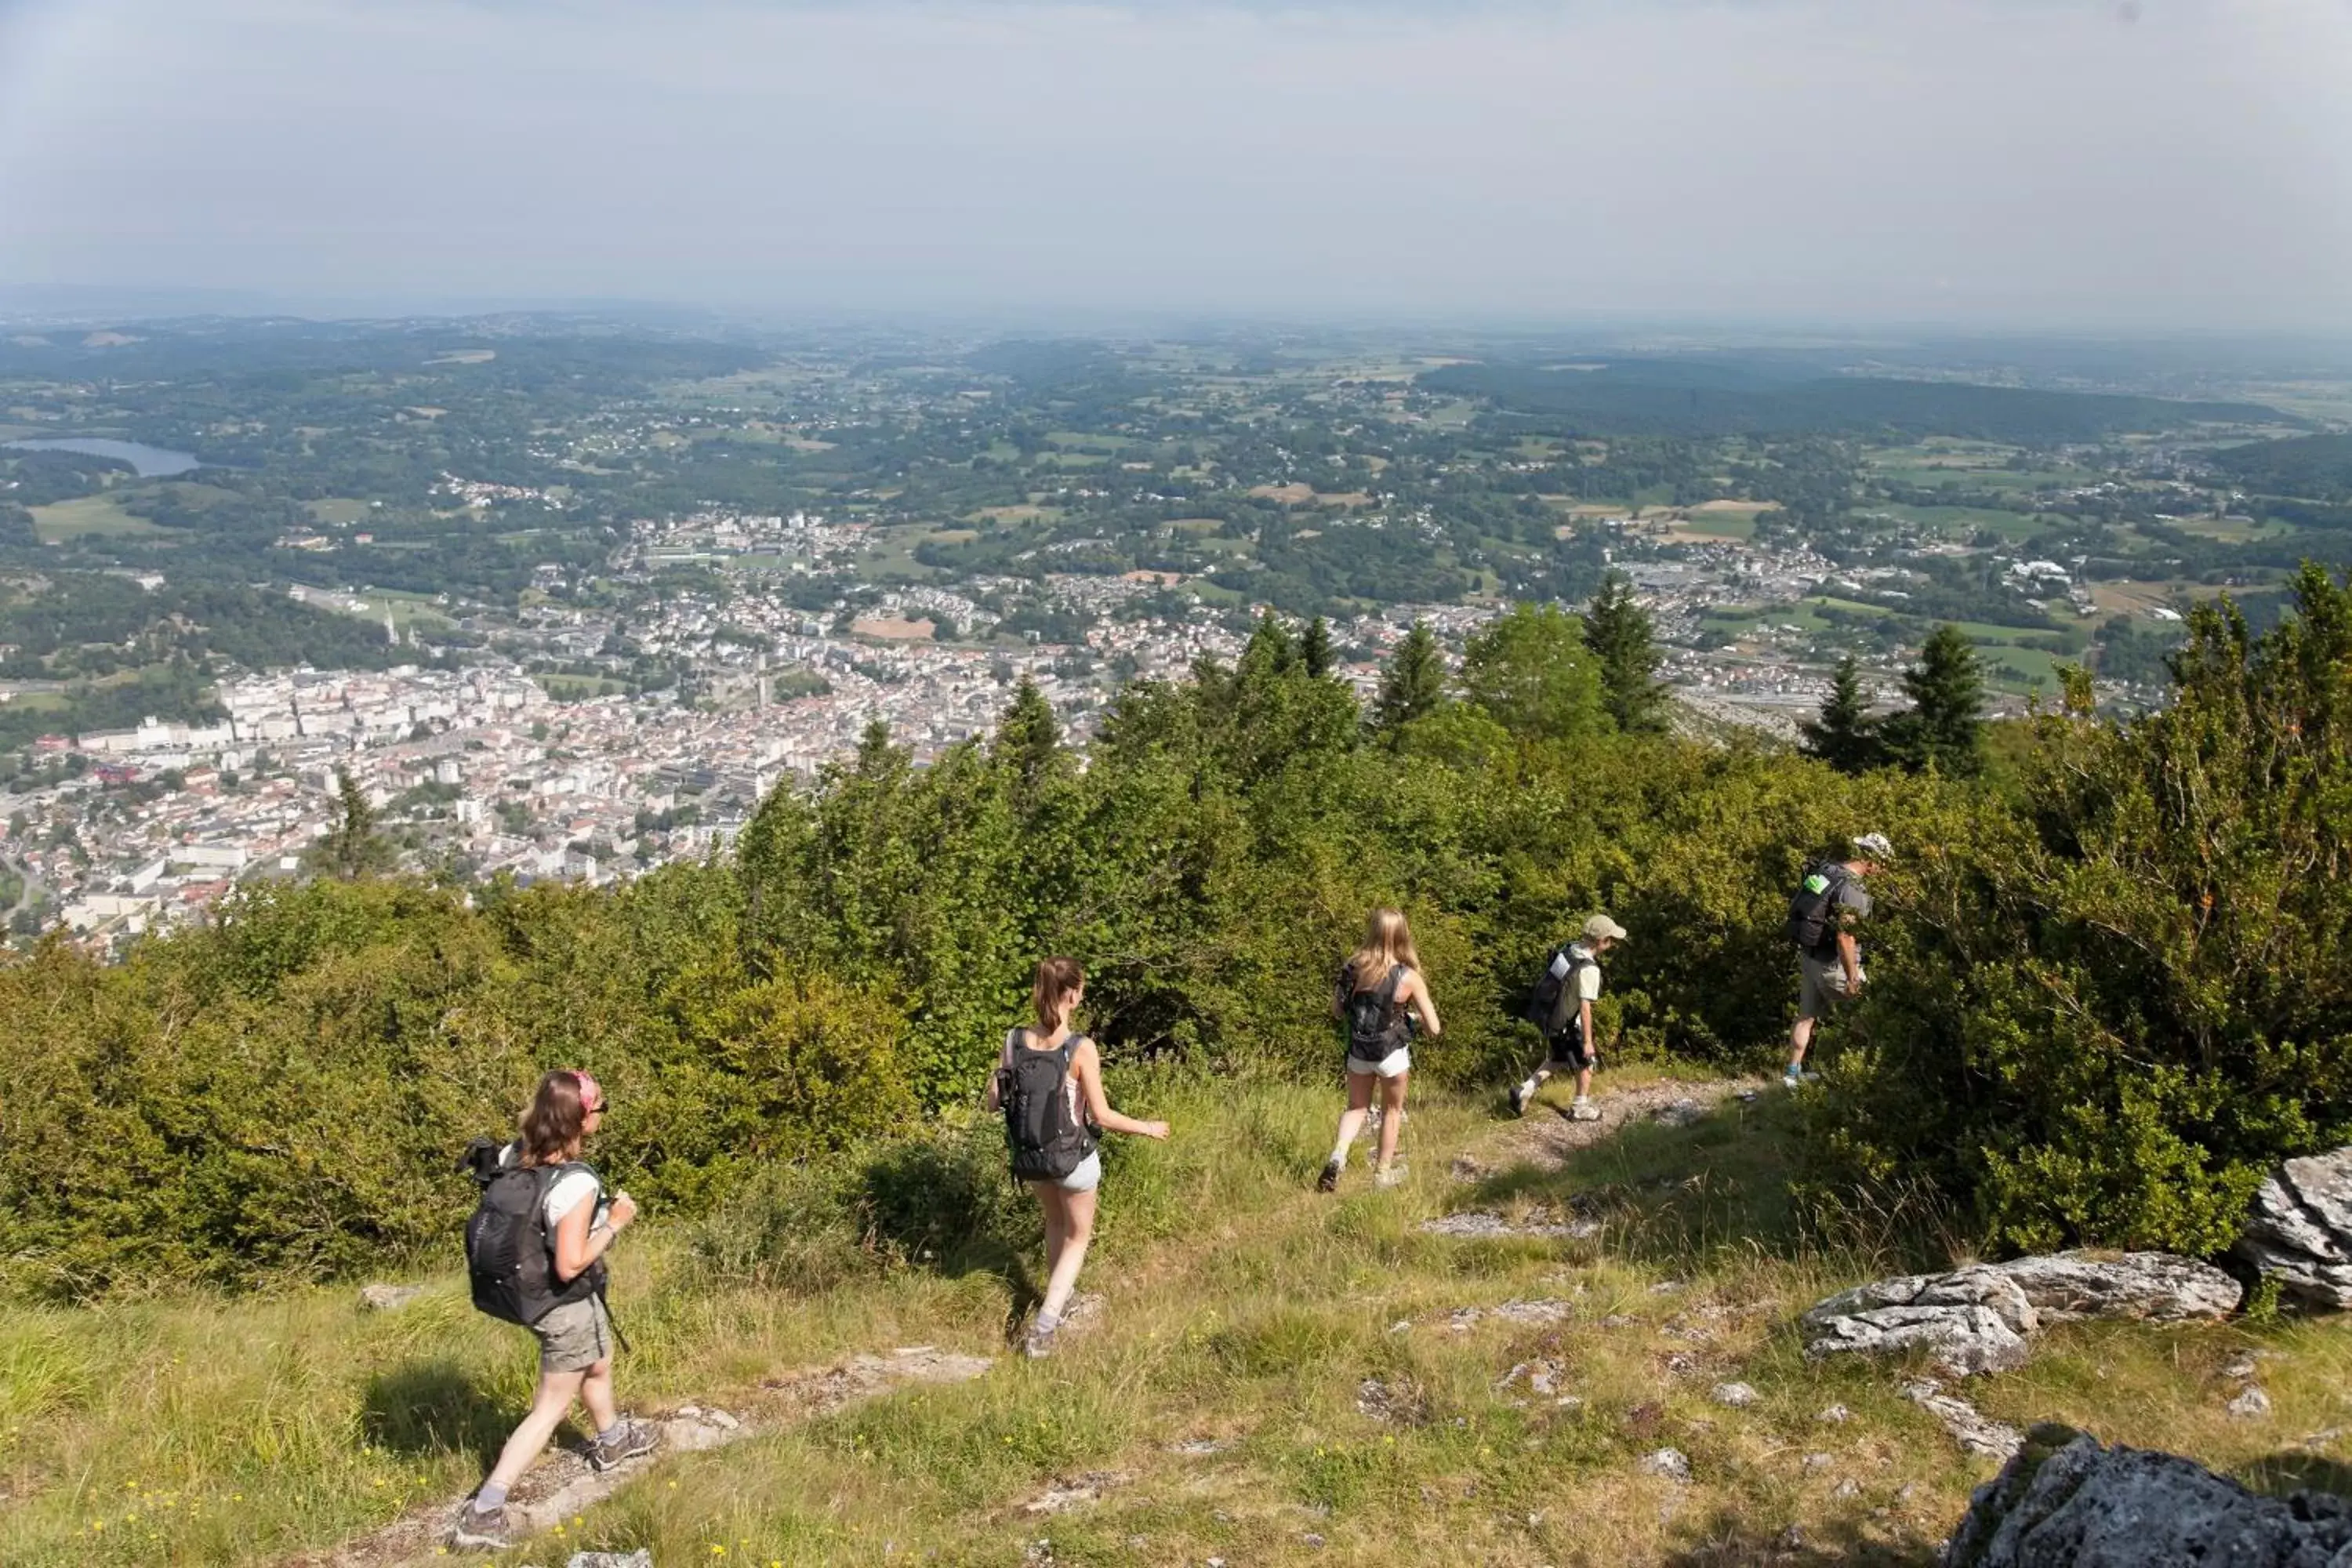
[1340, 1152]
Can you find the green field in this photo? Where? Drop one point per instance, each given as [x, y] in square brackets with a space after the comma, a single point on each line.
[99, 515]
[338, 509]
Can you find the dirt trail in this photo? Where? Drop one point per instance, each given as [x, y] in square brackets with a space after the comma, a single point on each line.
[1544, 1137]
[561, 1484]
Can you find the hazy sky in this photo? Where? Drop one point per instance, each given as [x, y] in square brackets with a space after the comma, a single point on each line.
[2180, 162]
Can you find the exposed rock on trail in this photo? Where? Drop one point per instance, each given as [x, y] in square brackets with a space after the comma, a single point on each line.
[1546, 1137]
[560, 1484]
[2066, 1500]
[2299, 1229]
[2156, 1287]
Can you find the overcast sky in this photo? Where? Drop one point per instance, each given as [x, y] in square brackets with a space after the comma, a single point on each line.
[2169, 163]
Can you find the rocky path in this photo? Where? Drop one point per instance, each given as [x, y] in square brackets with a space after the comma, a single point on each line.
[562, 1485]
[1544, 1137]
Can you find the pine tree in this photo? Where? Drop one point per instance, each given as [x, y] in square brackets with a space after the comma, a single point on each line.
[1618, 631]
[1844, 736]
[1413, 684]
[351, 848]
[1028, 743]
[1945, 725]
[1316, 649]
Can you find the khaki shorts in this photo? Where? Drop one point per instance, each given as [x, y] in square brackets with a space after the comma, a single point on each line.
[574, 1336]
[1820, 983]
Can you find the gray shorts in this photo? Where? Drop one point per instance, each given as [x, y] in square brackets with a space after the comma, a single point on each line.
[574, 1336]
[1820, 983]
[1087, 1177]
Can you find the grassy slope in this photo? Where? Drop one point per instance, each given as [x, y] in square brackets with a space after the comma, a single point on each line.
[1242, 1307]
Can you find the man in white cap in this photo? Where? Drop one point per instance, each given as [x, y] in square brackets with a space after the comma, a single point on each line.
[1829, 904]
[1562, 1008]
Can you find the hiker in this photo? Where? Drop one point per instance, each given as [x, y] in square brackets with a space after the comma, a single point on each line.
[1561, 1006]
[1827, 905]
[1380, 992]
[1048, 1083]
[540, 1261]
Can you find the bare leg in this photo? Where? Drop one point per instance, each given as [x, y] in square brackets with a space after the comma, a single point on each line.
[1077, 1230]
[596, 1393]
[1800, 1034]
[1584, 1080]
[1049, 1200]
[1393, 1115]
[556, 1391]
[1351, 1123]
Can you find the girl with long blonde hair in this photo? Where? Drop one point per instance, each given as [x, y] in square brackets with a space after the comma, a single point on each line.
[1380, 994]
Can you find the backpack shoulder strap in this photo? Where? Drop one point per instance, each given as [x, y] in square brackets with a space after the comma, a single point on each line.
[1388, 986]
[1068, 1050]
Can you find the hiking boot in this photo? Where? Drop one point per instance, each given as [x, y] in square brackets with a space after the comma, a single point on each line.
[485, 1529]
[1328, 1181]
[1583, 1109]
[627, 1441]
[1389, 1176]
[1039, 1343]
[1520, 1095]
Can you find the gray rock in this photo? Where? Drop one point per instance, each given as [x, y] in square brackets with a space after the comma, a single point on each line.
[1965, 1339]
[2065, 1499]
[1667, 1462]
[2252, 1403]
[388, 1297]
[643, 1557]
[1835, 1415]
[1738, 1396]
[1978, 1317]
[1970, 1427]
[2154, 1287]
[2299, 1229]
[1486, 1227]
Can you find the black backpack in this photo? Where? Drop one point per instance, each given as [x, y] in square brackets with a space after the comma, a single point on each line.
[510, 1247]
[1551, 1000]
[1812, 911]
[1377, 1027]
[1045, 1140]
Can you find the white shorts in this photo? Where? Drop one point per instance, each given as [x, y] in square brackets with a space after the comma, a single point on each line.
[1087, 1177]
[1396, 1064]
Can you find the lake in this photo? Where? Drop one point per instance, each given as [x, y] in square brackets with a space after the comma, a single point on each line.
[150, 462]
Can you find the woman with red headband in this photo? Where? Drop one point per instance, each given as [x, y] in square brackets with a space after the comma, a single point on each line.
[575, 1337]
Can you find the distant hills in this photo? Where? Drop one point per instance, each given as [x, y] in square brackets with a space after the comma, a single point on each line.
[1702, 398]
[2315, 467]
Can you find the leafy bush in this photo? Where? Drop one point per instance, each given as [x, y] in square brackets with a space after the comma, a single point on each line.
[2105, 1021]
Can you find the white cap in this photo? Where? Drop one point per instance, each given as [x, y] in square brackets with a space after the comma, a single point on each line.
[1875, 845]
[1601, 926]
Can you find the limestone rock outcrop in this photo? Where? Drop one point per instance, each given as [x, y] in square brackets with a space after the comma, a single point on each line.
[2066, 1499]
[2299, 1230]
[1978, 1319]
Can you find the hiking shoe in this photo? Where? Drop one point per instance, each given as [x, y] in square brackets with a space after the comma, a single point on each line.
[1583, 1109]
[1328, 1181]
[487, 1528]
[1795, 1075]
[1039, 1344]
[1520, 1095]
[628, 1441]
[1389, 1177]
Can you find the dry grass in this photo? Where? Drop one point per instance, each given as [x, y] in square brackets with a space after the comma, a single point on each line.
[1216, 1407]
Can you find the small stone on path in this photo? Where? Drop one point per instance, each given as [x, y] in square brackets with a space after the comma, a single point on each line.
[1836, 1416]
[1738, 1396]
[2252, 1403]
[1667, 1462]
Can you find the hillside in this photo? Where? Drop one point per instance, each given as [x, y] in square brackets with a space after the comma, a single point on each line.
[1705, 398]
[1272, 1377]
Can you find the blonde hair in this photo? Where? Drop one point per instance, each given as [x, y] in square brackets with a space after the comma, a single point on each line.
[1387, 942]
[1057, 979]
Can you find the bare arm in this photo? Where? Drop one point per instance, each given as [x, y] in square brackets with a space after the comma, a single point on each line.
[1087, 1065]
[577, 1245]
[1416, 993]
[1850, 955]
[1584, 1017]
